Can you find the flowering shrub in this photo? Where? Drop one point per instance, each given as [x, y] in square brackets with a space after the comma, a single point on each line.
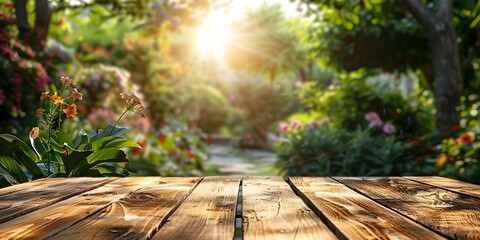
[175, 150]
[57, 153]
[318, 149]
[23, 73]
[459, 157]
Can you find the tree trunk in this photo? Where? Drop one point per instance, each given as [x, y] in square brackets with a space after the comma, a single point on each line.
[447, 71]
[43, 14]
[448, 77]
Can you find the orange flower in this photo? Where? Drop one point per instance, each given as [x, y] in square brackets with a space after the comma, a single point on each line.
[65, 80]
[191, 154]
[34, 133]
[56, 99]
[466, 138]
[39, 112]
[76, 95]
[70, 110]
[44, 96]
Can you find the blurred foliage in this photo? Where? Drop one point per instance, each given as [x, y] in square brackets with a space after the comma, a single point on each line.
[174, 150]
[327, 151]
[263, 33]
[349, 32]
[355, 94]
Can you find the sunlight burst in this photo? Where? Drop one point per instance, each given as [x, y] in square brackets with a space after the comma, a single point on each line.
[213, 35]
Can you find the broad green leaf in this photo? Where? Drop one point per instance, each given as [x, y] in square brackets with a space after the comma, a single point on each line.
[4, 182]
[107, 155]
[73, 159]
[111, 131]
[100, 143]
[113, 171]
[122, 143]
[63, 137]
[81, 137]
[13, 168]
[20, 151]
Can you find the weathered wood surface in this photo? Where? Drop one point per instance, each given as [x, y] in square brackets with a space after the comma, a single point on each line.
[135, 216]
[44, 193]
[271, 210]
[450, 184]
[454, 215]
[354, 216]
[206, 208]
[207, 213]
[57, 217]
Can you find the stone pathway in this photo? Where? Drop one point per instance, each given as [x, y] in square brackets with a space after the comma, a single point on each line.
[229, 161]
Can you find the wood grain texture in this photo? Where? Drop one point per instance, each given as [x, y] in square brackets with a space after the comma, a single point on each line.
[207, 213]
[450, 184]
[135, 216]
[27, 185]
[44, 193]
[271, 210]
[47, 221]
[453, 214]
[353, 216]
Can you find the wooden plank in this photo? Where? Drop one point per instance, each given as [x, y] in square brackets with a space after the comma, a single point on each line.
[135, 216]
[50, 220]
[450, 184]
[207, 213]
[453, 214]
[271, 210]
[27, 185]
[45, 193]
[353, 216]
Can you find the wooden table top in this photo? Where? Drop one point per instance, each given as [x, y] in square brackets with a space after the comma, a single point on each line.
[241, 207]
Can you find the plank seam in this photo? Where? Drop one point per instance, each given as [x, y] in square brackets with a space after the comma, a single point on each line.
[317, 211]
[444, 188]
[238, 235]
[167, 216]
[60, 199]
[401, 214]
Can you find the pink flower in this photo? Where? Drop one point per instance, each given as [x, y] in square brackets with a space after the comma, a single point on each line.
[313, 124]
[389, 128]
[375, 123]
[325, 121]
[372, 116]
[284, 127]
[373, 119]
[295, 124]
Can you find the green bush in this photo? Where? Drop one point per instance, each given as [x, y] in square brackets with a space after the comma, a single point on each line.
[326, 151]
[210, 108]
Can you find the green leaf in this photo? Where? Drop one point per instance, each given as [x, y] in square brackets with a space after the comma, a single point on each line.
[4, 182]
[74, 159]
[13, 168]
[63, 137]
[107, 155]
[117, 131]
[81, 137]
[22, 153]
[122, 143]
[113, 171]
[100, 143]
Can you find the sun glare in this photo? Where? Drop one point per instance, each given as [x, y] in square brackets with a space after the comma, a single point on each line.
[212, 36]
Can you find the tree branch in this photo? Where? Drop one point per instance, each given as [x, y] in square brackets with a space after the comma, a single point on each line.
[421, 13]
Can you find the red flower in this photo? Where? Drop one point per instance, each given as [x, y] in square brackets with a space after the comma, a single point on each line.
[467, 138]
[418, 159]
[161, 138]
[455, 128]
[191, 154]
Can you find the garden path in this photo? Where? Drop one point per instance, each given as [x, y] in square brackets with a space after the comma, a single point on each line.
[229, 161]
